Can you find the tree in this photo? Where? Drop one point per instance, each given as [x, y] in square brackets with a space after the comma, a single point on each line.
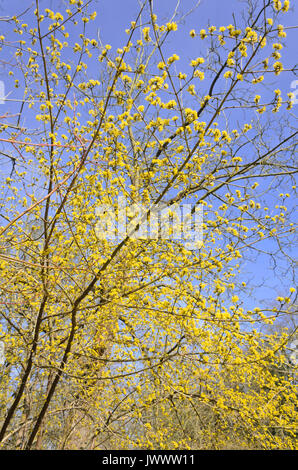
[146, 341]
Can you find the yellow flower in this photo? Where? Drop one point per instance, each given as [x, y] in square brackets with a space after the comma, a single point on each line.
[199, 75]
[281, 32]
[161, 65]
[277, 5]
[173, 58]
[191, 89]
[146, 33]
[228, 74]
[190, 114]
[258, 80]
[196, 62]
[203, 33]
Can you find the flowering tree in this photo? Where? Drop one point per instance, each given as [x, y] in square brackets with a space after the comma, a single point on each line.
[146, 341]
